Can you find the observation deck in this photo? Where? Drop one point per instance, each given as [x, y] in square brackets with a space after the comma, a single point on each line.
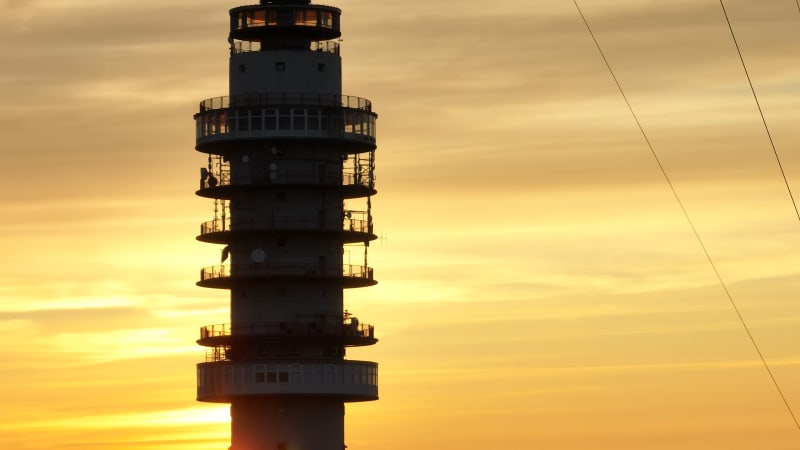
[240, 47]
[223, 276]
[349, 380]
[347, 332]
[346, 120]
[254, 22]
[352, 185]
[350, 230]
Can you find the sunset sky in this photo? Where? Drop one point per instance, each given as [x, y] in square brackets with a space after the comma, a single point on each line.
[539, 286]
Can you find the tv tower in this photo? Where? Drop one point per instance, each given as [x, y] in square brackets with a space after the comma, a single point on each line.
[291, 171]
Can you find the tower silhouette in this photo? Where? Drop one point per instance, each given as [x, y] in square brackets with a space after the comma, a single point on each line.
[291, 172]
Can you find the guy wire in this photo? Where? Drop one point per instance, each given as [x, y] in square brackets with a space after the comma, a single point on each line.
[689, 220]
[760, 111]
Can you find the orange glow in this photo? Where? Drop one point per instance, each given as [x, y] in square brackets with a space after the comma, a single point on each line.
[538, 284]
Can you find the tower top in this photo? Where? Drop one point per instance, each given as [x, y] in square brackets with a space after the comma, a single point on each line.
[285, 2]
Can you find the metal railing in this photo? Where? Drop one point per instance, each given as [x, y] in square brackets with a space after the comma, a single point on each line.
[285, 99]
[286, 223]
[258, 116]
[290, 177]
[286, 269]
[348, 328]
[239, 47]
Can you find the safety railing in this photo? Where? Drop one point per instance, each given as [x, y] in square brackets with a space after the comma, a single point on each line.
[286, 270]
[287, 223]
[347, 179]
[347, 328]
[271, 116]
[284, 99]
[239, 47]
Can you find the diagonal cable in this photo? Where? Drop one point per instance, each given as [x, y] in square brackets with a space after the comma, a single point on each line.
[689, 220]
[760, 111]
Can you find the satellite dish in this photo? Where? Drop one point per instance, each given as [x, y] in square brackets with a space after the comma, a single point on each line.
[245, 158]
[274, 150]
[258, 255]
[273, 166]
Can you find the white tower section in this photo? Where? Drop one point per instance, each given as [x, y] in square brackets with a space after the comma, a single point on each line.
[291, 172]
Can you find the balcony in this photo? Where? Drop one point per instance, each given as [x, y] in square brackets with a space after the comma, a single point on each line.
[280, 99]
[222, 120]
[352, 185]
[351, 230]
[351, 381]
[348, 332]
[223, 276]
[239, 47]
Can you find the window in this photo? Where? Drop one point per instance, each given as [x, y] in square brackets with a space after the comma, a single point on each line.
[305, 17]
[255, 120]
[242, 68]
[326, 19]
[270, 116]
[256, 18]
[280, 66]
[314, 118]
[298, 118]
[260, 377]
[320, 67]
[241, 121]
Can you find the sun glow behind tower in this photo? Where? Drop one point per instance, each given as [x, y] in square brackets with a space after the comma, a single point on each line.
[291, 172]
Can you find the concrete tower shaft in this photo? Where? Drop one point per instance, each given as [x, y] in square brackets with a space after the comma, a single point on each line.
[291, 172]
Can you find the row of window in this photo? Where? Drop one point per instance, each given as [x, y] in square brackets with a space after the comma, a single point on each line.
[238, 47]
[327, 122]
[273, 17]
[280, 66]
[308, 374]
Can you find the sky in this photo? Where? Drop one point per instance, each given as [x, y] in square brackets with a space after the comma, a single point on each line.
[539, 286]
